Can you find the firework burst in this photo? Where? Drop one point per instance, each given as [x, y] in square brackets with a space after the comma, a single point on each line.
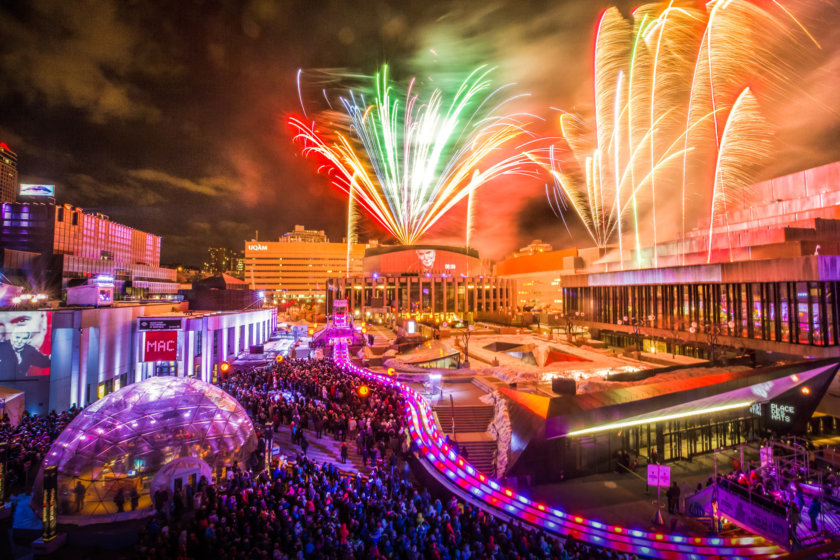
[406, 160]
[676, 118]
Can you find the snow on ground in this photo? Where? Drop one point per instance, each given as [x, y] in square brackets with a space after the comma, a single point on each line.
[514, 370]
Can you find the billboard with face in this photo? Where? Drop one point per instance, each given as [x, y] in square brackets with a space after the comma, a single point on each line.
[25, 344]
[37, 190]
[423, 259]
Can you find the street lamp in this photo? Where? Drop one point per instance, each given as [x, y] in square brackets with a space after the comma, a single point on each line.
[712, 330]
[636, 325]
[571, 320]
[466, 337]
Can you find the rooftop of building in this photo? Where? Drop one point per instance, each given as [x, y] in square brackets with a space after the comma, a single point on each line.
[791, 217]
[385, 249]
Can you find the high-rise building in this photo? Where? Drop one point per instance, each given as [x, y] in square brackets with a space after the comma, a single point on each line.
[55, 245]
[221, 260]
[8, 174]
[298, 265]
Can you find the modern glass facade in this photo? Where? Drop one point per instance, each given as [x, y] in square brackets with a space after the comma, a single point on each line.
[427, 294]
[805, 312]
[76, 245]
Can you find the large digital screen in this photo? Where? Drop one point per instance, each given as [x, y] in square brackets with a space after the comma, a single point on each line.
[25, 344]
[424, 260]
[160, 346]
[27, 189]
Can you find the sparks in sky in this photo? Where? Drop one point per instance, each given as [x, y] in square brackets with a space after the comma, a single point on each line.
[406, 159]
[677, 121]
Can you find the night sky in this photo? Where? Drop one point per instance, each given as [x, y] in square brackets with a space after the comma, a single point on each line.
[169, 116]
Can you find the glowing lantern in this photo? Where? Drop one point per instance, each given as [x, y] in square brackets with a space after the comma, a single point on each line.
[279, 358]
[391, 371]
[364, 391]
[224, 367]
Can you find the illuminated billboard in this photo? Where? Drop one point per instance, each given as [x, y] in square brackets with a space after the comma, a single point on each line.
[25, 344]
[160, 346]
[27, 189]
[423, 259]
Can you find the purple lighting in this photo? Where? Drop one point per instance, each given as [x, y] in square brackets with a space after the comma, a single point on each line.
[455, 469]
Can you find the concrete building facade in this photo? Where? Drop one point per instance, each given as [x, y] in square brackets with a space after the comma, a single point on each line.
[299, 264]
[59, 244]
[425, 280]
[8, 174]
[95, 351]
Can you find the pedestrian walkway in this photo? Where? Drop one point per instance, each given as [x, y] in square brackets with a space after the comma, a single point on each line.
[382, 336]
[626, 500]
[323, 450]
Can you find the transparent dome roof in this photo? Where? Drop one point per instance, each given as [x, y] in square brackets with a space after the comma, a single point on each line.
[122, 440]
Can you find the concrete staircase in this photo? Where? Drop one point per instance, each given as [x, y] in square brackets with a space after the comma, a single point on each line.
[467, 418]
[481, 453]
[470, 432]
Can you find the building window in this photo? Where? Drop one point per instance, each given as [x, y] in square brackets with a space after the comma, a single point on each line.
[60, 216]
[163, 369]
[75, 219]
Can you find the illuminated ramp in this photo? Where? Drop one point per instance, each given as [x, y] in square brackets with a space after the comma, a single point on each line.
[749, 511]
[462, 479]
[752, 512]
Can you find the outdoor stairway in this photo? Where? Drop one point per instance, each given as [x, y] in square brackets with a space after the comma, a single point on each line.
[471, 422]
[481, 454]
[380, 340]
[468, 418]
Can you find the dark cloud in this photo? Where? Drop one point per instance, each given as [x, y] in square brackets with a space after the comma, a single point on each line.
[81, 55]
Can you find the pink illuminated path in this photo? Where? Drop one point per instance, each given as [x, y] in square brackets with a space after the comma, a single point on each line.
[492, 496]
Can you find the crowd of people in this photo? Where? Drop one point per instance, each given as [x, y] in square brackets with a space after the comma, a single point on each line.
[319, 396]
[303, 509]
[794, 488]
[28, 442]
[310, 510]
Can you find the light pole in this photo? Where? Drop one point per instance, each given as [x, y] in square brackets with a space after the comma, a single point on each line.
[466, 338]
[571, 321]
[712, 330]
[636, 325]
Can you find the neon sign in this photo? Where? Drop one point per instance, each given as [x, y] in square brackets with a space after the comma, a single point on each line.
[257, 247]
[781, 412]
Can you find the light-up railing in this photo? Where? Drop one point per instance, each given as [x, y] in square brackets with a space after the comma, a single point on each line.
[489, 494]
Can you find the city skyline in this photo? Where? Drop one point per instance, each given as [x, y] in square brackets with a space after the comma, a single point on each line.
[171, 120]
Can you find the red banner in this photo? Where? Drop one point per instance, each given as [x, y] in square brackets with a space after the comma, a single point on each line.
[160, 346]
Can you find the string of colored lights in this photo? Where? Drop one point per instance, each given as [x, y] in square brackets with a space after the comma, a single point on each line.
[491, 495]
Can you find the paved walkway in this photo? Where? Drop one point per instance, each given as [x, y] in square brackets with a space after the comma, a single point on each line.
[323, 450]
[625, 499]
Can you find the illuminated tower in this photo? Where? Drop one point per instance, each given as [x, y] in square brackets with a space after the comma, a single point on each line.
[8, 174]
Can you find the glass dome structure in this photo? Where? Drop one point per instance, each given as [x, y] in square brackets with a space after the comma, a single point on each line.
[121, 441]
